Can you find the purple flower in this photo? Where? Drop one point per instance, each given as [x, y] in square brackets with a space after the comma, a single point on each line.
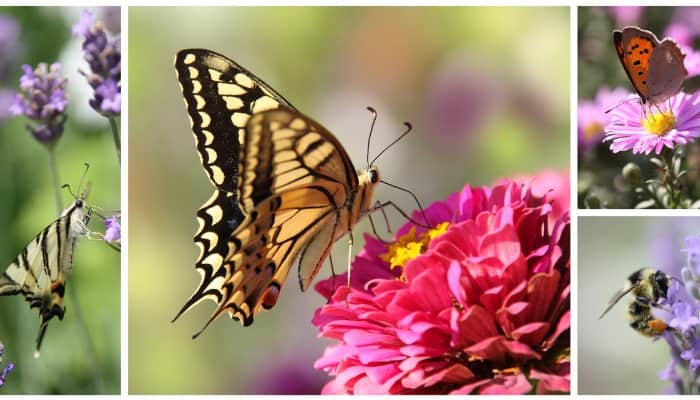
[692, 354]
[113, 229]
[42, 98]
[684, 317]
[630, 130]
[6, 370]
[686, 18]
[691, 61]
[692, 244]
[626, 15]
[104, 58]
[461, 98]
[9, 39]
[592, 116]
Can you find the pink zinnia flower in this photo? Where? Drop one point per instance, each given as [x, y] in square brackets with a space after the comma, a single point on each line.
[677, 124]
[477, 304]
[592, 117]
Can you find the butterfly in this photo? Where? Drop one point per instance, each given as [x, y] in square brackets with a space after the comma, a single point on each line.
[39, 271]
[655, 68]
[285, 188]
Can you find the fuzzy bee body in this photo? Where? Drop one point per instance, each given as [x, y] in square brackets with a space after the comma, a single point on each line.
[648, 286]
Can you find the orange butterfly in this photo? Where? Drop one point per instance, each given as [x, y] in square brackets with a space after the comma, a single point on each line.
[655, 68]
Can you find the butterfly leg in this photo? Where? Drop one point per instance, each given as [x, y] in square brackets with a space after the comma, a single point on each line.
[349, 266]
[402, 212]
[330, 295]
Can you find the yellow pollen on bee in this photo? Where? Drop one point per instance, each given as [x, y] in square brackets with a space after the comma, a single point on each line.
[659, 123]
[409, 246]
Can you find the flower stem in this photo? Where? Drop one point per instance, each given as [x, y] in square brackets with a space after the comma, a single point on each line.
[97, 373]
[117, 141]
[54, 178]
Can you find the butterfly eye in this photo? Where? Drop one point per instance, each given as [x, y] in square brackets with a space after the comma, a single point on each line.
[373, 174]
[79, 203]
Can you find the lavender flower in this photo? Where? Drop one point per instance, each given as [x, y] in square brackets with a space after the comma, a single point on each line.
[113, 229]
[6, 370]
[9, 39]
[684, 337]
[104, 58]
[42, 98]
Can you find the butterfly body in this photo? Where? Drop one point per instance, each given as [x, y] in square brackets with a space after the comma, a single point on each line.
[39, 271]
[286, 189]
[655, 68]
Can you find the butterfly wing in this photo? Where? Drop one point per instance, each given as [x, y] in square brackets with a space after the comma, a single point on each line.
[295, 179]
[220, 97]
[634, 47]
[38, 272]
[666, 71]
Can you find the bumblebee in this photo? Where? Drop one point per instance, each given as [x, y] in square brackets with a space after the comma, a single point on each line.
[648, 286]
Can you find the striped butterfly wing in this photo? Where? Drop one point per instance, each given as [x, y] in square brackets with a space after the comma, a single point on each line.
[220, 97]
[39, 271]
[295, 184]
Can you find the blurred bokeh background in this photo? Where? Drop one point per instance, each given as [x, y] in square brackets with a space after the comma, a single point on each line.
[79, 355]
[612, 357]
[482, 104]
[603, 84]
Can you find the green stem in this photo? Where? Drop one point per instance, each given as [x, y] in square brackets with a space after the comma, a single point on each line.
[54, 178]
[86, 336]
[117, 141]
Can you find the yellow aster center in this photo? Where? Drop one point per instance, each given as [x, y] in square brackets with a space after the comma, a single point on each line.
[659, 123]
[409, 246]
[592, 130]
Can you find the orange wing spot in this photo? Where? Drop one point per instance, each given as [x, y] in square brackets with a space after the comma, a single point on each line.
[269, 298]
[636, 62]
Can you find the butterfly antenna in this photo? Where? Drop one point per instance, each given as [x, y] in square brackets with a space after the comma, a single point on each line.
[80, 185]
[67, 186]
[420, 207]
[621, 103]
[409, 127]
[371, 129]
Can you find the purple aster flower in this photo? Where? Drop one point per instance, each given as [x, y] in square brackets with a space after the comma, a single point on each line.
[628, 15]
[104, 58]
[691, 61]
[42, 98]
[686, 17]
[113, 229]
[6, 370]
[678, 124]
[592, 116]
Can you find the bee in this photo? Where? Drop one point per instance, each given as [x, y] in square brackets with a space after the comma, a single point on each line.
[648, 286]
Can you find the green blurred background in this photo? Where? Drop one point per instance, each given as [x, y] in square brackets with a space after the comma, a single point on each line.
[483, 104]
[612, 357]
[68, 363]
[600, 170]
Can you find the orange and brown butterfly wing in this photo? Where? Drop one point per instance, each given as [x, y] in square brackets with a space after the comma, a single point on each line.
[666, 71]
[634, 47]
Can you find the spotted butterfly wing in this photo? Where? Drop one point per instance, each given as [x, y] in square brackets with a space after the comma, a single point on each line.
[286, 188]
[654, 68]
[39, 271]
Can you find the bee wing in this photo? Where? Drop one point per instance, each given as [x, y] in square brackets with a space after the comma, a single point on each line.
[620, 294]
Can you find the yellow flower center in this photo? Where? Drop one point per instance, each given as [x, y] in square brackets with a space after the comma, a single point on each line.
[659, 123]
[592, 130]
[409, 246]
